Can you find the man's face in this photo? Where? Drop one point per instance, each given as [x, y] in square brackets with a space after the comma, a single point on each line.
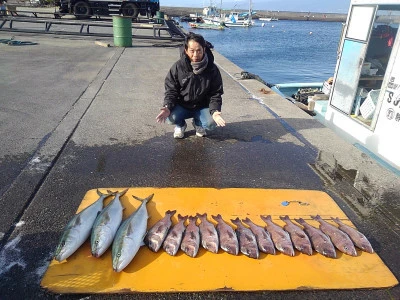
[194, 51]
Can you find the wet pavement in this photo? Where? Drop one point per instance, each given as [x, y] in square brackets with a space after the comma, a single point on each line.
[77, 116]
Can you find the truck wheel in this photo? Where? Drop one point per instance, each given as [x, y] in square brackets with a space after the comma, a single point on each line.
[82, 10]
[130, 10]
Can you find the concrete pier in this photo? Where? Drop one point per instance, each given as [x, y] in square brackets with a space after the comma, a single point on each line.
[76, 116]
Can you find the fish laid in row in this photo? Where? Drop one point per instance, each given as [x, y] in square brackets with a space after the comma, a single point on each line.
[106, 225]
[299, 238]
[320, 241]
[357, 237]
[191, 238]
[227, 237]
[78, 228]
[264, 241]
[279, 236]
[130, 236]
[158, 232]
[174, 237]
[339, 238]
[247, 240]
[208, 234]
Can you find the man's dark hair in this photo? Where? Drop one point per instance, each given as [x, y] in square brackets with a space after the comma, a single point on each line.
[195, 37]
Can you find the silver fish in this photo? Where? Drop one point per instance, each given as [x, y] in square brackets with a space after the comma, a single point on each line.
[129, 236]
[357, 237]
[157, 233]
[174, 237]
[191, 238]
[279, 236]
[247, 240]
[106, 225]
[263, 237]
[319, 240]
[339, 239]
[208, 234]
[299, 238]
[227, 237]
[78, 229]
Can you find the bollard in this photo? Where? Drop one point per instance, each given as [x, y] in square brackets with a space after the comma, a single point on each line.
[122, 30]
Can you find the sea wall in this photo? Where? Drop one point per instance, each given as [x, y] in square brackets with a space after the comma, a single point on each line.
[281, 15]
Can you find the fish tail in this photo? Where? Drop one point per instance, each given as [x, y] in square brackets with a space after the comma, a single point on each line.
[300, 220]
[123, 192]
[201, 215]
[193, 219]
[170, 212]
[217, 217]
[266, 218]
[117, 192]
[109, 193]
[246, 221]
[236, 221]
[284, 218]
[180, 217]
[147, 199]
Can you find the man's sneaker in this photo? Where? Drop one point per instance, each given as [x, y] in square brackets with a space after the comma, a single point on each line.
[200, 131]
[179, 132]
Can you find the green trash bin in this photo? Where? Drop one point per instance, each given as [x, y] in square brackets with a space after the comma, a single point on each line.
[160, 17]
[122, 30]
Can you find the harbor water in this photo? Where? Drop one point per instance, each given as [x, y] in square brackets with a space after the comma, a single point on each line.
[281, 51]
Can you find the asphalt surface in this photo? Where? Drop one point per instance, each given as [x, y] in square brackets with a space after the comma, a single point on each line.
[76, 116]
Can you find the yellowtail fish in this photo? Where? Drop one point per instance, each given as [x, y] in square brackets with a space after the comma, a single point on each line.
[106, 225]
[78, 229]
[130, 236]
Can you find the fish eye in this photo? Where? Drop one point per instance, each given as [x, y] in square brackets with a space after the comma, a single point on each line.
[62, 243]
[96, 242]
[119, 254]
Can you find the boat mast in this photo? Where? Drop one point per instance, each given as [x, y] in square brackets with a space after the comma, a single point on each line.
[250, 11]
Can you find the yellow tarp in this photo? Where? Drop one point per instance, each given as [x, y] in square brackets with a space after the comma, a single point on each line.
[160, 272]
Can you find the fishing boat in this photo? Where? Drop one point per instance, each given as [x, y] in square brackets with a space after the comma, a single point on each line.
[312, 97]
[364, 98]
[233, 20]
[268, 19]
[236, 19]
[202, 25]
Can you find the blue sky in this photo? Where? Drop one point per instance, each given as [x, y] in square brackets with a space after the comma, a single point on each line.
[335, 6]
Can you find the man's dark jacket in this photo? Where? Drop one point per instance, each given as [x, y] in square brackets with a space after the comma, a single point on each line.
[193, 91]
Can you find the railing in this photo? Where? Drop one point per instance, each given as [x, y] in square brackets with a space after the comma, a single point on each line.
[84, 27]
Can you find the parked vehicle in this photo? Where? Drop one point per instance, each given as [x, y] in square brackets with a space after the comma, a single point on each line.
[83, 9]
